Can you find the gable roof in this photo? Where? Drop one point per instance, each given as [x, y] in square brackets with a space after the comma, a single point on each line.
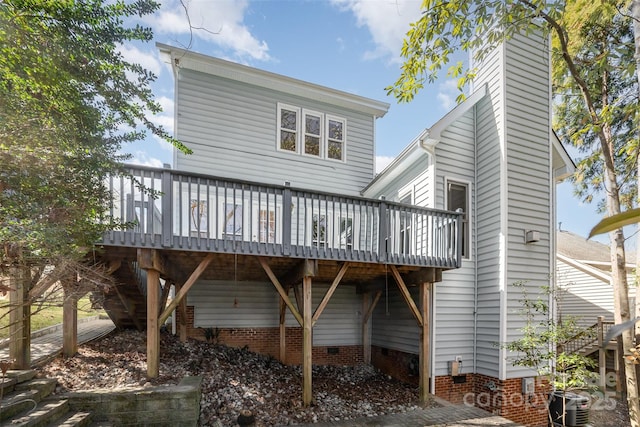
[424, 143]
[590, 252]
[185, 59]
[579, 248]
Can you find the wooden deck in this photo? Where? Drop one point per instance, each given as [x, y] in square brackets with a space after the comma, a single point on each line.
[190, 227]
[195, 213]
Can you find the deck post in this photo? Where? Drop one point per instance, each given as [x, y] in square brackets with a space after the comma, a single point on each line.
[286, 219]
[19, 318]
[153, 329]
[307, 342]
[383, 233]
[602, 354]
[69, 319]
[367, 310]
[283, 330]
[366, 336]
[424, 358]
[167, 200]
[182, 316]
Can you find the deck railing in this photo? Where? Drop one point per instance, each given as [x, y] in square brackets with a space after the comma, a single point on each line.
[195, 212]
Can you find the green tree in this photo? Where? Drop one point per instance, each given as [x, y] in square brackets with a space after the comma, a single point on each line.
[604, 120]
[68, 102]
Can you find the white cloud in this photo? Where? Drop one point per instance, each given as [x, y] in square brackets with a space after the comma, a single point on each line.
[219, 22]
[382, 162]
[165, 118]
[387, 21]
[141, 158]
[147, 58]
[447, 94]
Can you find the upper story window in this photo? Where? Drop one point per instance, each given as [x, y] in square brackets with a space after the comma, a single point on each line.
[288, 124]
[335, 138]
[458, 198]
[311, 133]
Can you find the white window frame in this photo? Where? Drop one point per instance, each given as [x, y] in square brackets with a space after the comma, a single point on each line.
[333, 234]
[255, 227]
[303, 133]
[297, 110]
[222, 220]
[468, 234]
[199, 218]
[328, 118]
[300, 132]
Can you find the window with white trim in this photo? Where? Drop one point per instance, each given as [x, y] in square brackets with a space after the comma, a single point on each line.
[458, 198]
[311, 133]
[232, 221]
[288, 132]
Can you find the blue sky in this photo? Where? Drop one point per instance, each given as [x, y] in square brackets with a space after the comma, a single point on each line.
[350, 45]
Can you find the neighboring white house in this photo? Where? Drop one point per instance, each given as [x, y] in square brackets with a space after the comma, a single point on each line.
[583, 270]
[412, 269]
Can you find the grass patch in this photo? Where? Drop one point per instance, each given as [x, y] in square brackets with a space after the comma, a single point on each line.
[45, 314]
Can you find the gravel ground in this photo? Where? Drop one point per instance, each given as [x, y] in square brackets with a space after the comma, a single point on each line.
[233, 380]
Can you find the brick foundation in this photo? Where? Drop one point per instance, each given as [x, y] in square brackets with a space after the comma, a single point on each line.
[455, 391]
[506, 399]
[502, 398]
[267, 341]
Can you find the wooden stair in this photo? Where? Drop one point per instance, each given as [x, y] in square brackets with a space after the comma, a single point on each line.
[27, 402]
[126, 302]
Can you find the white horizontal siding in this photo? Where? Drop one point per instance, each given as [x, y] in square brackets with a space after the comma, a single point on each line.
[584, 296]
[214, 304]
[454, 318]
[392, 325]
[528, 177]
[232, 129]
[255, 305]
[489, 117]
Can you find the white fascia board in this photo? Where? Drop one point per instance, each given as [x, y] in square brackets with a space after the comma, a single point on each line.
[407, 157]
[566, 167]
[433, 135]
[185, 59]
[628, 266]
[585, 268]
[427, 140]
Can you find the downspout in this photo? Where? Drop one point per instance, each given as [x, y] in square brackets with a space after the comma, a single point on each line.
[474, 233]
[430, 149]
[175, 67]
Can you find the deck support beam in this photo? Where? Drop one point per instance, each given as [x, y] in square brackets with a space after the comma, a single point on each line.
[406, 295]
[307, 342]
[70, 318]
[283, 294]
[424, 358]
[185, 287]
[153, 325]
[329, 293]
[282, 307]
[367, 309]
[19, 317]
[182, 316]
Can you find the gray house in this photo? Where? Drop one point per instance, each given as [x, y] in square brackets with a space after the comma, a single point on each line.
[277, 234]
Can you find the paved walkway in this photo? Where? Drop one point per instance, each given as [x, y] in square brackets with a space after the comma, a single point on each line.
[49, 345]
[449, 415]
